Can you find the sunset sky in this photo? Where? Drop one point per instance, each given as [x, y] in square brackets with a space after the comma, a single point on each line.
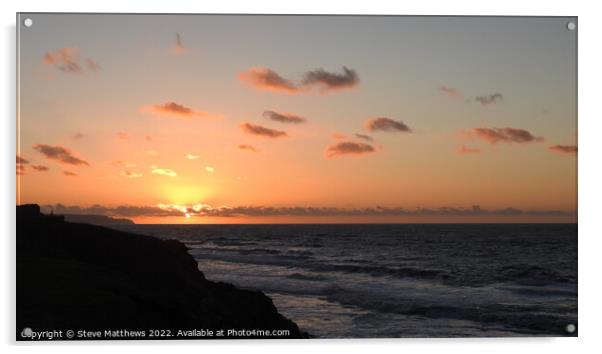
[244, 119]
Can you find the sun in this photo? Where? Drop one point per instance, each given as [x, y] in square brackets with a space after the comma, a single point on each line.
[184, 195]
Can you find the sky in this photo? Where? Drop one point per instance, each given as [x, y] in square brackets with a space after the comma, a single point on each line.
[286, 119]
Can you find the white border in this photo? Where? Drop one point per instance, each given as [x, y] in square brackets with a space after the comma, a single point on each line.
[590, 175]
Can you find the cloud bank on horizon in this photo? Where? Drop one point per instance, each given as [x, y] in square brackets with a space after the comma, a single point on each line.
[164, 210]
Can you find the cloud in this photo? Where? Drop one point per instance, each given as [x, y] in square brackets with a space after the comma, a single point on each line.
[386, 125]
[209, 169]
[40, 168]
[123, 135]
[364, 137]
[267, 80]
[124, 164]
[468, 150]
[176, 110]
[68, 60]
[21, 160]
[130, 174]
[247, 148]
[192, 157]
[60, 154]
[69, 174]
[148, 138]
[200, 210]
[331, 81]
[92, 65]
[178, 46]
[123, 210]
[564, 149]
[284, 117]
[163, 171]
[79, 136]
[504, 135]
[490, 99]
[262, 131]
[348, 148]
[450, 91]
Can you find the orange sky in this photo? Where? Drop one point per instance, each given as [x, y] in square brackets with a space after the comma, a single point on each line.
[167, 121]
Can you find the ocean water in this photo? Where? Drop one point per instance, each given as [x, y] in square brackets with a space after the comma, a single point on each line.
[341, 281]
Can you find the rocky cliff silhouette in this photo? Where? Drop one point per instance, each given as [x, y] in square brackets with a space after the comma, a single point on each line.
[79, 276]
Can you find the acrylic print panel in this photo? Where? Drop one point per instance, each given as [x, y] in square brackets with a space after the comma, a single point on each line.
[234, 176]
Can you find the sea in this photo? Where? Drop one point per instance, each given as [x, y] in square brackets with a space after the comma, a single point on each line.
[398, 280]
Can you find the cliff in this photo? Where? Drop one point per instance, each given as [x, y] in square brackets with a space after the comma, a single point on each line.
[86, 277]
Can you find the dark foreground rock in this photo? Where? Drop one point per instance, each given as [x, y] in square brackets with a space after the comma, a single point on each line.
[84, 277]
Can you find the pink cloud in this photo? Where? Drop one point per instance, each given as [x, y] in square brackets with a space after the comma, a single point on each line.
[450, 91]
[564, 149]
[468, 150]
[262, 131]
[386, 125]
[173, 109]
[344, 148]
[59, 154]
[247, 148]
[503, 135]
[69, 60]
[267, 80]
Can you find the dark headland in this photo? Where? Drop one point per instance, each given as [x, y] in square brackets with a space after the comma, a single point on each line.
[73, 276]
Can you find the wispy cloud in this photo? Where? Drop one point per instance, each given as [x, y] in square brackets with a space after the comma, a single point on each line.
[21, 160]
[564, 149]
[176, 110]
[450, 91]
[131, 174]
[503, 135]
[209, 169]
[284, 117]
[364, 137]
[69, 60]
[344, 148]
[192, 157]
[69, 174]
[462, 150]
[324, 81]
[123, 136]
[384, 124]
[40, 168]
[262, 131]
[489, 99]
[247, 148]
[124, 164]
[78, 136]
[178, 45]
[59, 154]
[163, 171]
